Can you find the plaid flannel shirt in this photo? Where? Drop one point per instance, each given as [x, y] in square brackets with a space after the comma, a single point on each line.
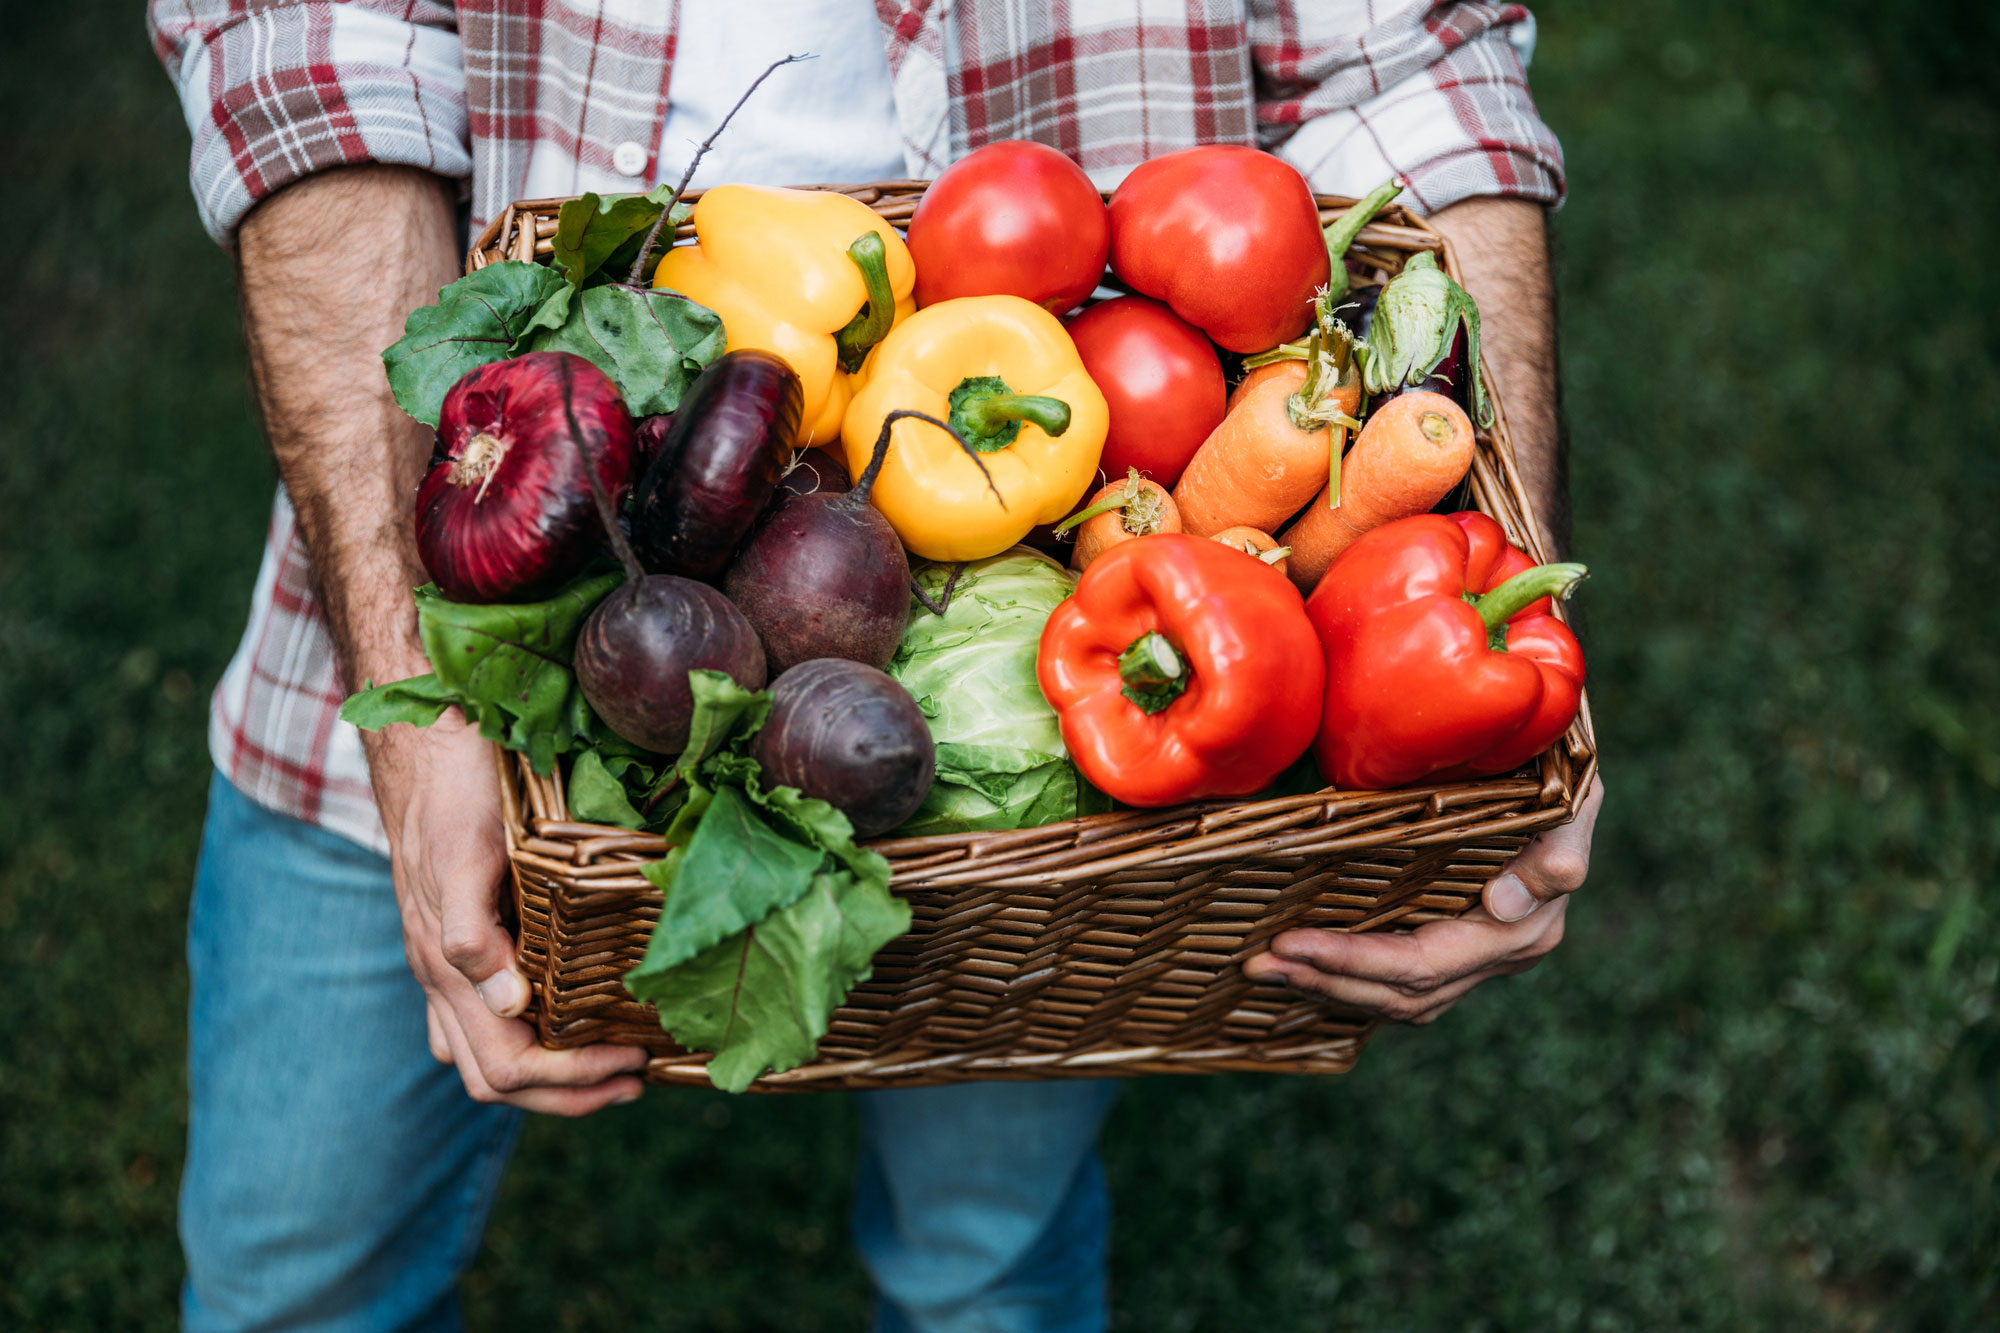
[556, 97]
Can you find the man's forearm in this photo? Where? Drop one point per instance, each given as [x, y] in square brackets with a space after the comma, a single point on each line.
[328, 268]
[1502, 247]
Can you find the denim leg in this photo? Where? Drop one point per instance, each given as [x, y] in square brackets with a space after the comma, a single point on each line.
[981, 1207]
[337, 1178]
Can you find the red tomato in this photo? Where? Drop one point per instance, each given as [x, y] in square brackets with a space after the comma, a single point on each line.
[1228, 236]
[1161, 379]
[1011, 219]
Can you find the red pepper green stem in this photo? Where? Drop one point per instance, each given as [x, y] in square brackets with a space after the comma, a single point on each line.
[1340, 233]
[1153, 672]
[1505, 602]
[870, 324]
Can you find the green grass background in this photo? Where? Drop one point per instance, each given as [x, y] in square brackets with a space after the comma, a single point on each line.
[1759, 1086]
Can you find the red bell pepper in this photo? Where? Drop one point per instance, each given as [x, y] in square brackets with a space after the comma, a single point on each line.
[1228, 236]
[1181, 669]
[1443, 656]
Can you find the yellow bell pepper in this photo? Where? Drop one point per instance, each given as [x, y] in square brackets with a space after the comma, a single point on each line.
[796, 273]
[1004, 373]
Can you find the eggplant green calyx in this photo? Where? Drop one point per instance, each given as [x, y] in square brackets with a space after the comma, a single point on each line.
[1419, 315]
[1153, 672]
[988, 415]
[870, 324]
[1340, 232]
[1503, 603]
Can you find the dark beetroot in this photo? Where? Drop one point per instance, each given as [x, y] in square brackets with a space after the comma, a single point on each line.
[851, 736]
[825, 576]
[505, 513]
[637, 646]
[719, 464]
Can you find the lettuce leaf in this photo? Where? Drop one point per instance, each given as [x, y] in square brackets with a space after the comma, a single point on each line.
[594, 233]
[770, 914]
[651, 343]
[763, 999]
[484, 316]
[506, 666]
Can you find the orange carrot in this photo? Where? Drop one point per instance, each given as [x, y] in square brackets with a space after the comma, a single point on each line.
[1274, 448]
[1268, 371]
[1413, 450]
[1252, 541]
[1134, 507]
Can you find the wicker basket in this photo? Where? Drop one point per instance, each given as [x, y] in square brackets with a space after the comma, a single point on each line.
[1104, 946]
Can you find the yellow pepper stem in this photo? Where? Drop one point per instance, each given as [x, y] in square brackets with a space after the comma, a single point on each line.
[870, 324]
[989, 414]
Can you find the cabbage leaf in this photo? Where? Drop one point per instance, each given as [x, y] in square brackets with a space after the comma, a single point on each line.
[1001, 762]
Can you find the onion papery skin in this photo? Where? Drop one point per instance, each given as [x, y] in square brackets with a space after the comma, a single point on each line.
[516, 528]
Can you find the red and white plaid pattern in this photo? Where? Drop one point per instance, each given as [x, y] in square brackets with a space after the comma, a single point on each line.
[536, 97]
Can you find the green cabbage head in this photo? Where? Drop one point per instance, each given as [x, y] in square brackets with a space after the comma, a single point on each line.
[1001, 763]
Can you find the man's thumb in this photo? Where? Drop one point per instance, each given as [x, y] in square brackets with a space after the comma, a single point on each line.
[474, 943]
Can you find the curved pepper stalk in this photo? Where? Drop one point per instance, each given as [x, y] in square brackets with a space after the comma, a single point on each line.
[870, 324]
[989, 415]
[1340, 233]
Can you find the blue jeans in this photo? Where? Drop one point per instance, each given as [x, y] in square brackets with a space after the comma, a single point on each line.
[339, 1178]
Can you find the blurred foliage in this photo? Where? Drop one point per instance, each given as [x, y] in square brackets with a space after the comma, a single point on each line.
[1759, 1086]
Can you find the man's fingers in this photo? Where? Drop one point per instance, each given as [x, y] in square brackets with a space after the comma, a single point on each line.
[1398, 1006]
[1553, 864]
[1426, 959]
[511, 1060]
[554, 1100]
[440, 1047]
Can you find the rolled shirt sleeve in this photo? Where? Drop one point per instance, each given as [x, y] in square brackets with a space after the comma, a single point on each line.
[1434, 93]
[275, 92]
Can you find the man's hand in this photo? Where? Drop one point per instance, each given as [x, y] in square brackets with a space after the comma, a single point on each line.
[440, 802]
[328, 269]
[1415, 977]
[1502, 250]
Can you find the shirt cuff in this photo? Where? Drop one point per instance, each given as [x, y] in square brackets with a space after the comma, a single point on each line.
[275, 94]
[1461, 127]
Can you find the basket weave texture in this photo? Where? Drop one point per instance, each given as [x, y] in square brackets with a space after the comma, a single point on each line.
[1105, 946]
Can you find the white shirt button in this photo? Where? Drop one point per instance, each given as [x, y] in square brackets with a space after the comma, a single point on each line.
[629, 158]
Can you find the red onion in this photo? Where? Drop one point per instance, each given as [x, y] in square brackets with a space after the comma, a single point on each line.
[506, 513]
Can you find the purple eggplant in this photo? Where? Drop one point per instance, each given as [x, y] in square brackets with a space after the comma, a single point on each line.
[719, 465]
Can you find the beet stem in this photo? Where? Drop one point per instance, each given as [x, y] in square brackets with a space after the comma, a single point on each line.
[866, 481]
[633, 571]
[938, 608]
[639, 264]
